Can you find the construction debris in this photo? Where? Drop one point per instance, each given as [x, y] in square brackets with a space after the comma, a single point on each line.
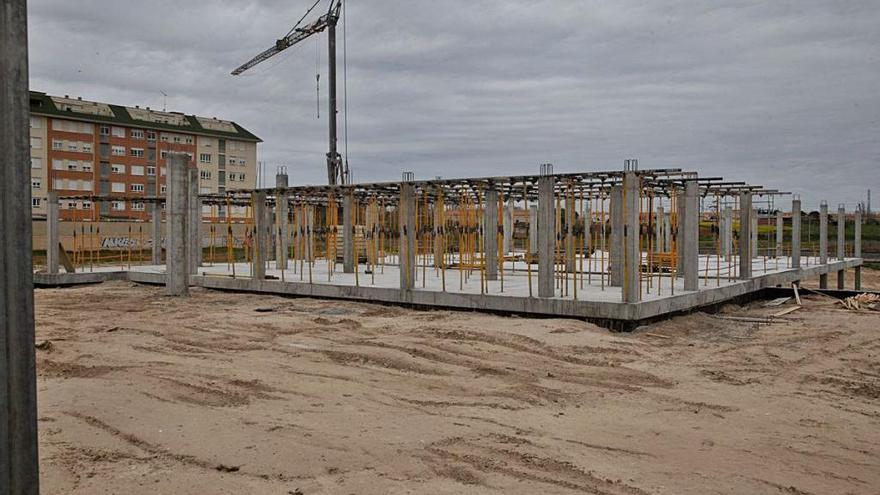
[865, 300]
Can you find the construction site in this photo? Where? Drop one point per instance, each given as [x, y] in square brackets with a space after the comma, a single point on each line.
[614, 330]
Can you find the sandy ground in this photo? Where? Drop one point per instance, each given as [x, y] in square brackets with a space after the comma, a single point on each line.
[238, 393]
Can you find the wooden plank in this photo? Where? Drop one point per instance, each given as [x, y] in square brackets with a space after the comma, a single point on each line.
[777, 302]
[62, 256]
[786, 311]
[797, 296]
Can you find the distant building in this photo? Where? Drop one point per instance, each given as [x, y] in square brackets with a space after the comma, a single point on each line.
[88, 148]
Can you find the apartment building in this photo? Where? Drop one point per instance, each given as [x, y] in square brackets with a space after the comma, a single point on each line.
[84, 148]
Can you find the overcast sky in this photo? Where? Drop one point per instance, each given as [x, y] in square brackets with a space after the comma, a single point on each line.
[780, 93]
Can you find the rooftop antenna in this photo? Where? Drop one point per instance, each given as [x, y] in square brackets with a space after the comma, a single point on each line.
[164, 101]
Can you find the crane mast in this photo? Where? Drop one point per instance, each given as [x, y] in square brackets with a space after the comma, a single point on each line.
[336, 173]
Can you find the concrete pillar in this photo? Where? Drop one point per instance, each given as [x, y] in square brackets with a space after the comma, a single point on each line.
[194, 244]
[754, 233]
[52, 232]
[19, 473]
[348, 232]
[727, 233]
[309, 233]
[615, 255]
[261, 241]
[490, 234]
[667, 231]
[282, 223]
[631, 253]
[546, 236]
[841, 243]
[407, 222]
[438, 231]
[298, 233]
[679, 227]
[857, 249]
[823, 242]
[568, 225]
[658, 230]
[533, 229]
[745, 234]
[780, 233]
[177, 209]
[587, 220]
[156, 258]
[690, 236]
[508, 226]
[796, 233]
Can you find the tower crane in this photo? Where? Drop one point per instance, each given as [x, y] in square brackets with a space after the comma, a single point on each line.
[336, 173]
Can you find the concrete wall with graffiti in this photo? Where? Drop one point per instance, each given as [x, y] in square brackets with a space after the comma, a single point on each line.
[127, 235]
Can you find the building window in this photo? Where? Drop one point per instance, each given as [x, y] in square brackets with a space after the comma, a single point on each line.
[57, 125]
[205, 157]
[105, 130]
[35, 123]
[118, 187]
[86, 128]
[37, 143]
[177, 139]
[86, 166]
[36, 183]
[59, 184]
[151, 170]
[86, 205]
[36, 162]
[57, 144]
[137, 188]
[151, 136]
[163, 189]
[137, 206]
[137, 170]
[35, 202]
[87, 147]
[119, 132]
[118, 205]
[189, 140]
[117, 168]
[72, 146]
[72, 166]
[119, 151]
[163, 154]
[58, 164]
[137, 134]
[241, 177]
[162, 171]
[138, 152]
[164, 138]
[205, 174]
[86, 185]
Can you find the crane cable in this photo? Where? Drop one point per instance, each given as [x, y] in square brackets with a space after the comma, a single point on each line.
[301, 19]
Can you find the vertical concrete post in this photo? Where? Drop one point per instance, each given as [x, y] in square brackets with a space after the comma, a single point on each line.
[630, 233]
[438, 230]
[841, 243]
[754, 233]
[727, 233]
[194, 244]
[857, 249]
[282, 222]
[745, 234]
[823, 242]
[780, 233]
[407, 222]
[490, 234]
[533, 229]
[347, 232]
[658, 231]
[568, 222]
[260, 236]
[309, 233]
[156, 255]
[508, 226]
[680, 219]
[19, 469]
[796, 233]
[52, 232]
[546, 236]
[298, 233]
[177, 271]
[615, 255]
[587, 220]
[690, 236]
[667, 231]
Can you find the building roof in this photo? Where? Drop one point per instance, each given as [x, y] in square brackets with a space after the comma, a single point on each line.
[78, 109]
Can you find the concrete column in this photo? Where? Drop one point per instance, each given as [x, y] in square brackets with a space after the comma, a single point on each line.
[490, 234]
[260, 236]
[754, 233]
[823, 242]
[615, 255]
[658, 230]
[857, 249]
[780, 233]
[533, 229]
[745, 233]
[52, 232]
[19, 465]
[588, 238]
[690, 236]
[194, 244]
[796, 233]
[679, 227]
[438, 230]
[667, 231]
[407, 210]
[282, 223]
[309, 243]
[298, 233]
[727, 233]
[348, 232]
[568, 225]
[156, 258]
[508, 226]
[546, 236]
[177, 209]
[841, 243]
[631, 252]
